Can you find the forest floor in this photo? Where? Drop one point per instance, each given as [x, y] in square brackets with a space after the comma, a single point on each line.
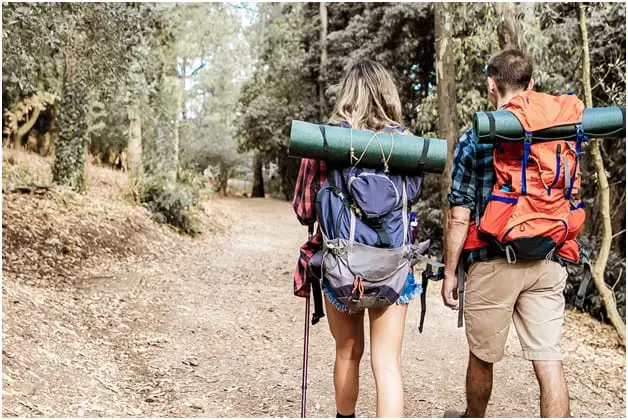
[106, 313]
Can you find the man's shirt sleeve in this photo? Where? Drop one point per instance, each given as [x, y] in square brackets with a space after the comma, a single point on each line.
[463, 185]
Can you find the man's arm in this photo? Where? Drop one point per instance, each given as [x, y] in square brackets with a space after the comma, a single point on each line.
[461, 199]
[455, 235]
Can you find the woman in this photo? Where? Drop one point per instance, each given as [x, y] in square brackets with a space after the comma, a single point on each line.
[368, 100]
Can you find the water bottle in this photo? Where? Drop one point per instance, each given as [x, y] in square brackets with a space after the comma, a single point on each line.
[414, 227]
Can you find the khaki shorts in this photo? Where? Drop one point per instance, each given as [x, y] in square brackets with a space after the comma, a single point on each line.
[529, 292]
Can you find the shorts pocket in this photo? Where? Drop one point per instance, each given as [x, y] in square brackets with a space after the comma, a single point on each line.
[481, 268]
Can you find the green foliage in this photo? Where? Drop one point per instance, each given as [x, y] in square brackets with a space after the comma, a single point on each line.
[280, 89]
[172, 202]
[78, 51]
[108, 129]
[30, 59]
[398, 35]
[68, 167]
[14, 175]
[209, 144]
[202, 72]
[285, 84]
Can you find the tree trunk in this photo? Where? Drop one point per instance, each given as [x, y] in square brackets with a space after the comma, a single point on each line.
[223, 179]
[164, 149]
[69, 164]
[260, 43]
[608, 296]
[448, 127]
[180, 109]
[509, 30]
[134, 154]
[258, 163]
[323, 65]
[258, 176]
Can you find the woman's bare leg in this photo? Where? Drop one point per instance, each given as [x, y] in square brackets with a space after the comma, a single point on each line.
[387, 326]
[348, 331]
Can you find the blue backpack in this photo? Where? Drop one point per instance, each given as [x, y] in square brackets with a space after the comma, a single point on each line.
[368, 249]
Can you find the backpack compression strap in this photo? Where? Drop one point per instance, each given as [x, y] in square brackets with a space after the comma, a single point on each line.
[425, 280]
[316, 288]
[584, 283]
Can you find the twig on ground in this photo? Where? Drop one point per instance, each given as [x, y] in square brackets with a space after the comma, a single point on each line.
[31, 189]
[107, 386]
[32, 407]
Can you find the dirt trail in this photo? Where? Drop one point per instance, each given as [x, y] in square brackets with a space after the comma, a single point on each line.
[209, 327]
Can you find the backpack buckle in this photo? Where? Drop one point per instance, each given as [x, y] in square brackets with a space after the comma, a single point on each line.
[357, 210]
[336, 250]
[511, 256]
[373, 221]
[579, 132]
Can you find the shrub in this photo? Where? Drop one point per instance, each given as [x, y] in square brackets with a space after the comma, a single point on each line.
[172, 202]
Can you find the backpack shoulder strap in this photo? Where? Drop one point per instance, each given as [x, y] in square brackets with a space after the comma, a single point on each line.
[405, 213]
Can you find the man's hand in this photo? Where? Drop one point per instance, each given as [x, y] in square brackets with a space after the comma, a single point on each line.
[449, 291]
[455, 235]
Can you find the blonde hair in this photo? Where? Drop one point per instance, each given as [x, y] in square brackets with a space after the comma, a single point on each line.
[368, 98]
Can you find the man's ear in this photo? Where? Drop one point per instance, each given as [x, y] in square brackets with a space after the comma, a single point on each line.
[530, 85]
[492, 86]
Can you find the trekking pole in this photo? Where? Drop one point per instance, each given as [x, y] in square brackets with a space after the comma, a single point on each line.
[306, 338]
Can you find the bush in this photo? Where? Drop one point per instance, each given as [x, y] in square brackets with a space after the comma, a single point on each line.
[172, 202]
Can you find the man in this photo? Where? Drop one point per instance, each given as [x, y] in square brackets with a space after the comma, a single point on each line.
[496, 291]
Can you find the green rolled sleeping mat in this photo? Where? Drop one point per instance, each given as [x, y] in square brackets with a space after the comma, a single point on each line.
[405, 154]
[596, 122]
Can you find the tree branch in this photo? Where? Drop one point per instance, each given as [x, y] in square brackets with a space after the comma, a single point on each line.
[607, 295]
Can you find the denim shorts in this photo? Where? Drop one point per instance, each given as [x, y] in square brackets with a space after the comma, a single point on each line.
[411, 290]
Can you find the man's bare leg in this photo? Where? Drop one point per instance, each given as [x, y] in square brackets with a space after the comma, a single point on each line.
[479, 386]
[554, 393]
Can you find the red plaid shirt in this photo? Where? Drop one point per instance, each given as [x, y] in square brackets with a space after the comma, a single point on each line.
[312, 175]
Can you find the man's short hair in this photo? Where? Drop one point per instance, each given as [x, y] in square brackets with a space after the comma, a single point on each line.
[511, 70]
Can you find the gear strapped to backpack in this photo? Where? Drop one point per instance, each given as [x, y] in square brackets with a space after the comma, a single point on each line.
[534, 210]
[363, 215]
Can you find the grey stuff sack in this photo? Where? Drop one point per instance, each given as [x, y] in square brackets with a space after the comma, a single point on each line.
[363, 215]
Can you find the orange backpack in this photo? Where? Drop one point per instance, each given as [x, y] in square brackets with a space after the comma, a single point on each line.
[534, 208]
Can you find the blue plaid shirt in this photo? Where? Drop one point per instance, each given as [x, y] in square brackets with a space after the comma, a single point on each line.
[472, 179]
